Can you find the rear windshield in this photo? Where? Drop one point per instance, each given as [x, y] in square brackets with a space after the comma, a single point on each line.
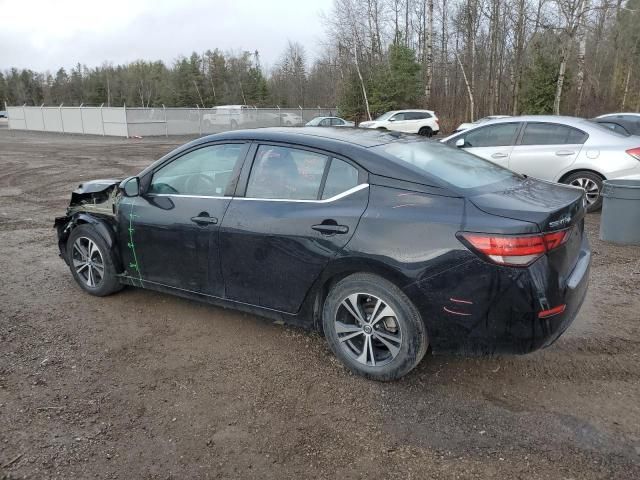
[608, 129]
[451, 165]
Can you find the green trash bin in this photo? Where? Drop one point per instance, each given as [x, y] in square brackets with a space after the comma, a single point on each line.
[620, 221]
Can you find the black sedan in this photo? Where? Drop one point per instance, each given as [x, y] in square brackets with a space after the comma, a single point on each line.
[387, 243]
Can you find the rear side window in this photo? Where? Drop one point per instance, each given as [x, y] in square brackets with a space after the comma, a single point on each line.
[336, 121]
[500, 135]
[451, 165]
[551, 134]
[416, 115]
[286, 173]
[341, 177]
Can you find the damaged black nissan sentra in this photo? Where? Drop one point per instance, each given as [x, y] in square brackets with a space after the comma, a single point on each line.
[387, 243]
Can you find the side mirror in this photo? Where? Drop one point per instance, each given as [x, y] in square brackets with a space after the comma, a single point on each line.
[130, 187]
[460, 143]
[392, 119]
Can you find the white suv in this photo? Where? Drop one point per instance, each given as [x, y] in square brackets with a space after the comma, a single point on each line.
[422, 122]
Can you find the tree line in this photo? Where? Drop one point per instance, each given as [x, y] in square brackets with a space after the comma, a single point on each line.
[462, 58]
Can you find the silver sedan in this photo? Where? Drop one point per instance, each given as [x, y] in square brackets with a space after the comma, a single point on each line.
[560, 149]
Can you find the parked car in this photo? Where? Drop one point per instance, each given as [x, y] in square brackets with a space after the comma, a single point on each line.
[422, 122]
[3, 114]
[329, 122]
[568, 150]
[625, 123]
[388, 243]
[230, 116]
[292, 119]
[465, 126]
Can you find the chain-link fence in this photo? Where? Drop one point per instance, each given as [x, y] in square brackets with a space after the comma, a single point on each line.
[143, 122]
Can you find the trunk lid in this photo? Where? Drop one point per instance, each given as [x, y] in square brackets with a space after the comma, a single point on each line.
[550, 206]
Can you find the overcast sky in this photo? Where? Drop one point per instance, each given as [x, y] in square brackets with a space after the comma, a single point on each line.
[46, 34]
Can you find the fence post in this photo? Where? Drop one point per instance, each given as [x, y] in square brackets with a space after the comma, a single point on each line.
[279, 116]
[166, 125]
[24, 116]
[81, 118]
[6, 109]
[199, 121]
[301, 115]
[61, 119]
[102, 118]
[44, 126]
[126, 123]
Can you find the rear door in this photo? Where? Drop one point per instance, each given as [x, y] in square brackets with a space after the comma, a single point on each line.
[544, 149]
[294, 210]
[492, 142]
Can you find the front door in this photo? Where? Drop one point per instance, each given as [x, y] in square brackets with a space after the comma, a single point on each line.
[492, 142]
[171, 231]
[300, 208]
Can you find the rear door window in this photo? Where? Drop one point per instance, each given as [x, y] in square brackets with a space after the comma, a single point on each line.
[551, 134]
[341, 177]
[336, 122]
[286, 173]
[501, 135]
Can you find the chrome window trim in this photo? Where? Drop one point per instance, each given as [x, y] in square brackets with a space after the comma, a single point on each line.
[346, 193]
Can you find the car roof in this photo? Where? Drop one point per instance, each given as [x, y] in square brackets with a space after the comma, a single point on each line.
[411, 110]
[631, 114]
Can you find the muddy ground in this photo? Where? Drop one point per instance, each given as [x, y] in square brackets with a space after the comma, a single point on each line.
[145, 385]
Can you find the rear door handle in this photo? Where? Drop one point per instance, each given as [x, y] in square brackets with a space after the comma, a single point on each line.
[204, 219]
[330, 229]
[499, 155]
[564, 153]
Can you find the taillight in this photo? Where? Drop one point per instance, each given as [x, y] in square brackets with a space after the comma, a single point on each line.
[514, 250]
[635, 153]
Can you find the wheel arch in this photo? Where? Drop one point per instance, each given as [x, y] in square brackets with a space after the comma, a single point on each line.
[565, 175]
[340, 269]
[102, 226]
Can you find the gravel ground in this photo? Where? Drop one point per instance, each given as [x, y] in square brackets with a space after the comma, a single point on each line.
[145, 385]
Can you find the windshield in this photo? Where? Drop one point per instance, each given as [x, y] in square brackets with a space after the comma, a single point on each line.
[384, 116]
[451, 165]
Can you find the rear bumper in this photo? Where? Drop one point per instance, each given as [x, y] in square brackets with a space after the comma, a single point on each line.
[480, 309]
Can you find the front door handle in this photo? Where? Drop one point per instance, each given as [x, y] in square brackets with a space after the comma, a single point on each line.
[564, 153]
[330, 228]
[499, 155]
[204, 219]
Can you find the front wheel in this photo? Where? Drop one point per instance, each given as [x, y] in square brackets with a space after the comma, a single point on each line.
[373, 328]
[91, 262]
[591, 183]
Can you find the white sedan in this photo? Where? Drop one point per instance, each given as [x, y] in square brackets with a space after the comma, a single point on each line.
[329, 122]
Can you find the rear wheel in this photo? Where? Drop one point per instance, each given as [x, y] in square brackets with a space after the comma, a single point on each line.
[373, 328]
[425, 132]
[91, 262]
[591, 183]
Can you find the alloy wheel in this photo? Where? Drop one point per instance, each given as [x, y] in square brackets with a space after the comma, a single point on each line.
[88, 262]
[590, 187]
[368, 329]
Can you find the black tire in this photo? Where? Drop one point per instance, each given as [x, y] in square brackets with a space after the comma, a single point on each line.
[587, 180]
[425, 132]
[381, 128]
[105, 284]
[410, 336]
